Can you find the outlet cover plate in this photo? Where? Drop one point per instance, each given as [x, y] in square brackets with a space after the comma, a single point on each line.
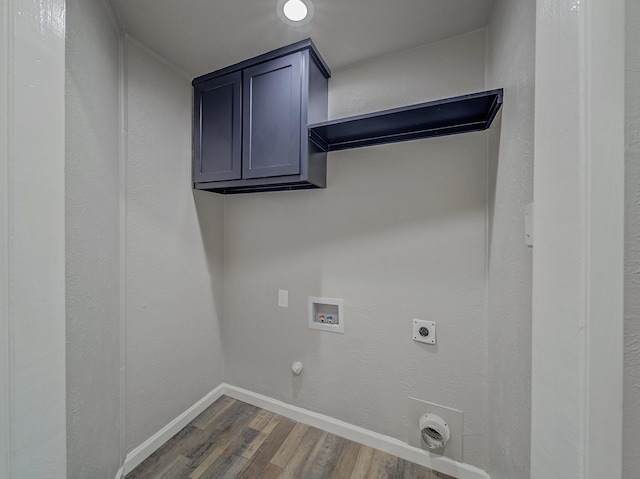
[419, 325]
[283, 298]
[453, 418]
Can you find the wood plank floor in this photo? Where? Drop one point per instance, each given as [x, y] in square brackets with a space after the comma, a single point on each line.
[232, 439]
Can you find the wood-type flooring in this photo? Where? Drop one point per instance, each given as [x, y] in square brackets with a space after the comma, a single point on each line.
[232, 439]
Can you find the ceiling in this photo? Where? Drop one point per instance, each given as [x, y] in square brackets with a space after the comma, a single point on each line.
[200, 36]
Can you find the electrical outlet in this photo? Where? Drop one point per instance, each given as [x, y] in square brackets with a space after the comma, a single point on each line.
[424, 331]
[283, 298]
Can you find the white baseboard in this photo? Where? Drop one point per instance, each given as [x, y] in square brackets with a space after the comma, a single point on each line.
[326, 423]
[120, 473]
[148, 447]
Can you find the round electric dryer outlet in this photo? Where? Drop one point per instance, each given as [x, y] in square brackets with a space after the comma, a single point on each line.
[424, 331]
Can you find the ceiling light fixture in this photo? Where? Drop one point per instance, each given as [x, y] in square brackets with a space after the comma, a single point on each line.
[295, 12]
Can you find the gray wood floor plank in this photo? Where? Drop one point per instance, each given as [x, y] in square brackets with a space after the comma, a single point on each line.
[269, 447]
[298, 459]
[288, 447]
[217, 408]
[347, 460]
[232, 460]
[206, 462]
[308, 464]
[271, 471]
[167, 453]
[179, 467]
[264, 434]
[235, 468]
[219, 434]
[327, 458]
[410, 470]
[383, 466]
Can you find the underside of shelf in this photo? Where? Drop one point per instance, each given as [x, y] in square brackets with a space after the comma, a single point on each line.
[474, 112]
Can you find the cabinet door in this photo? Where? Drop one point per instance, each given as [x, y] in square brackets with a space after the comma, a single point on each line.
[218, 129]
[272, 106]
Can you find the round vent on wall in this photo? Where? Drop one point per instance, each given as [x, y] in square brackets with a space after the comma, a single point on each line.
[434, 431]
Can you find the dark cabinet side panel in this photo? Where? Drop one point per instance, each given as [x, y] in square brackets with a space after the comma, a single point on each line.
[318, 98]
[218, 129]
[272, 120]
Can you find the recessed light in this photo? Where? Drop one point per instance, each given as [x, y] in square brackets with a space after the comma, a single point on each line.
[295, 12]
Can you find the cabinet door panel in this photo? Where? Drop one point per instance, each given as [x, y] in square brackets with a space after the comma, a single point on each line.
[218, 129]
[272, 118]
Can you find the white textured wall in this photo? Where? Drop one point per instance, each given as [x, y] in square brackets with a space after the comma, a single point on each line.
[5, 202]
[631, 459]
[577, 324]
[32, 288]
[399, 234]
[92, 241]
[510, 64]
[174, 282]
[558, 287]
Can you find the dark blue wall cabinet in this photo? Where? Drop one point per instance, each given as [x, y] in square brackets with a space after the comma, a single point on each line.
[250, 123]
[219, 138]
[261, 125]
[460, 114]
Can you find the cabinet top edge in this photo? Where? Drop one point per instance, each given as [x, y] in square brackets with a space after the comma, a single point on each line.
[302, 45]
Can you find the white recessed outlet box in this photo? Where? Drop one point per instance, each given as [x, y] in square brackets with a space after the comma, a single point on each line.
[424, 331]
[326, 314]
[283, 298]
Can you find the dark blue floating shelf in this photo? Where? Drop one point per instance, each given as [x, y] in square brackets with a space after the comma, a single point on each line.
[474, 112]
